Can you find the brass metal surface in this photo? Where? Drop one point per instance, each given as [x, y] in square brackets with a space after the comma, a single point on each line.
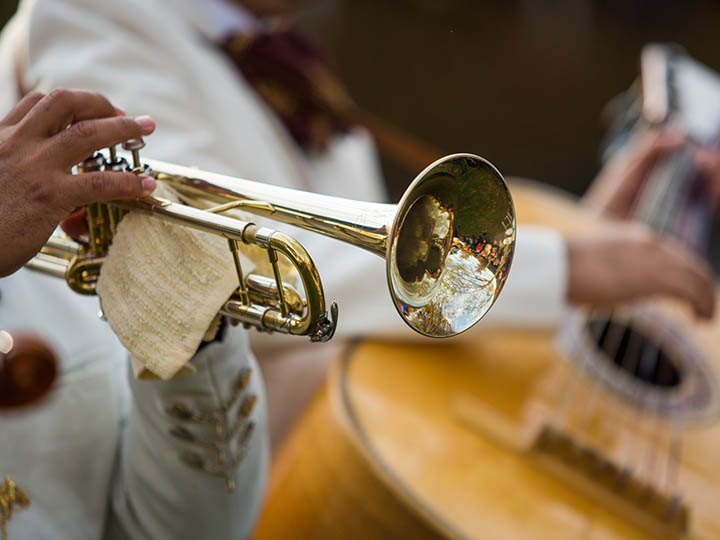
[448, 243]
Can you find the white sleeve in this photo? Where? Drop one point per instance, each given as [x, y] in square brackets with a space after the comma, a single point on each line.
[536, 289]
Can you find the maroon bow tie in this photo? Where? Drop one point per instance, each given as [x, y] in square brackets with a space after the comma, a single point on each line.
[297, 81]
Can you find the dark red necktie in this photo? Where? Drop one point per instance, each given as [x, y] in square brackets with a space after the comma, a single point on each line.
[297, 81]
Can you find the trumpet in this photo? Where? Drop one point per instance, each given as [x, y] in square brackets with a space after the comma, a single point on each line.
[448, 244]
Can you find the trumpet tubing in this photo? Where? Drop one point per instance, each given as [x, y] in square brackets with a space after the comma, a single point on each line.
[448, 243]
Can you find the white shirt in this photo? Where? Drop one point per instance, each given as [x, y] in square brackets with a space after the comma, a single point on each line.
[222, 18]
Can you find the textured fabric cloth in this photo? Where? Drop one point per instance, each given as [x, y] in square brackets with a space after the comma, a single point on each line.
[161, 287]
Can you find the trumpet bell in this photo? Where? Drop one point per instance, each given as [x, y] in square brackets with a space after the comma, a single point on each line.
[450, 245]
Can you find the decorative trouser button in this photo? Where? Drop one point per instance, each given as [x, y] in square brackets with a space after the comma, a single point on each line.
[10, 497]
[221, 452]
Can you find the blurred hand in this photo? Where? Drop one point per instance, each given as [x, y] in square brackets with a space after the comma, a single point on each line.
[627, 261]
[40, 141]
[615, 189]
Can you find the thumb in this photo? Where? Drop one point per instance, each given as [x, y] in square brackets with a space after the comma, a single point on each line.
[93, 187]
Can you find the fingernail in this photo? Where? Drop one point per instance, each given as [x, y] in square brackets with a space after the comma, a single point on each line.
[120, 111]
[148, 184]
[146, 123]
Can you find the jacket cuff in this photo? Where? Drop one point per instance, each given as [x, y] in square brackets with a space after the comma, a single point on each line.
[536, 289]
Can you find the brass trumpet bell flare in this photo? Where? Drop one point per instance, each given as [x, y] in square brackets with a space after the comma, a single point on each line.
[451, 245]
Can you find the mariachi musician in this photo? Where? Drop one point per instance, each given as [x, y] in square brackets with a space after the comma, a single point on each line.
[194, 64]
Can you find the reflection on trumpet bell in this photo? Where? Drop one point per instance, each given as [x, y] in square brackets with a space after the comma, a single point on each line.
[452, 245]
[448, 243]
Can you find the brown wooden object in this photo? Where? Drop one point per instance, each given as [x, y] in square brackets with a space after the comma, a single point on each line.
[492, 436]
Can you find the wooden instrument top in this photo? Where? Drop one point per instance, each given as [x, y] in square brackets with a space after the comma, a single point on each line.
[414, 408]
[448, 428]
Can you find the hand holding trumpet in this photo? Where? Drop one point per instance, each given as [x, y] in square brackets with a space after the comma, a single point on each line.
[41, 139]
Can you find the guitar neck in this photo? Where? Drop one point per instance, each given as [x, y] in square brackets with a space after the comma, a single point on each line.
[676, 200]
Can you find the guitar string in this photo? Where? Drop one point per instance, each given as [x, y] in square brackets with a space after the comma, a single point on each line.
[670, 220]
[663, 214]
[654, 432]
[694, 186]
[560, 420]
[658, 207]
[701, 239]
[586, 409]
[611, 336]
[652, 354]
[675, 448]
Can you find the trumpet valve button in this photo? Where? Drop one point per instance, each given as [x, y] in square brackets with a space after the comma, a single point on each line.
[134, 146]
[93, 163]
[115, 163]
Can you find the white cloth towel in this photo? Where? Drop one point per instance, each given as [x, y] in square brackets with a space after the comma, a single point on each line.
[160, 288]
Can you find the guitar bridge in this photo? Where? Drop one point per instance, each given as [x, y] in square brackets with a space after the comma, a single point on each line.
[581, 467]
[623, 493]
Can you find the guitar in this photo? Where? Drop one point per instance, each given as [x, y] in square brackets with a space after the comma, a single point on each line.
[495, 437]
[606, 432]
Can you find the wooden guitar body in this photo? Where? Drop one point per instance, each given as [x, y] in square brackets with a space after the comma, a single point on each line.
[494, 436]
